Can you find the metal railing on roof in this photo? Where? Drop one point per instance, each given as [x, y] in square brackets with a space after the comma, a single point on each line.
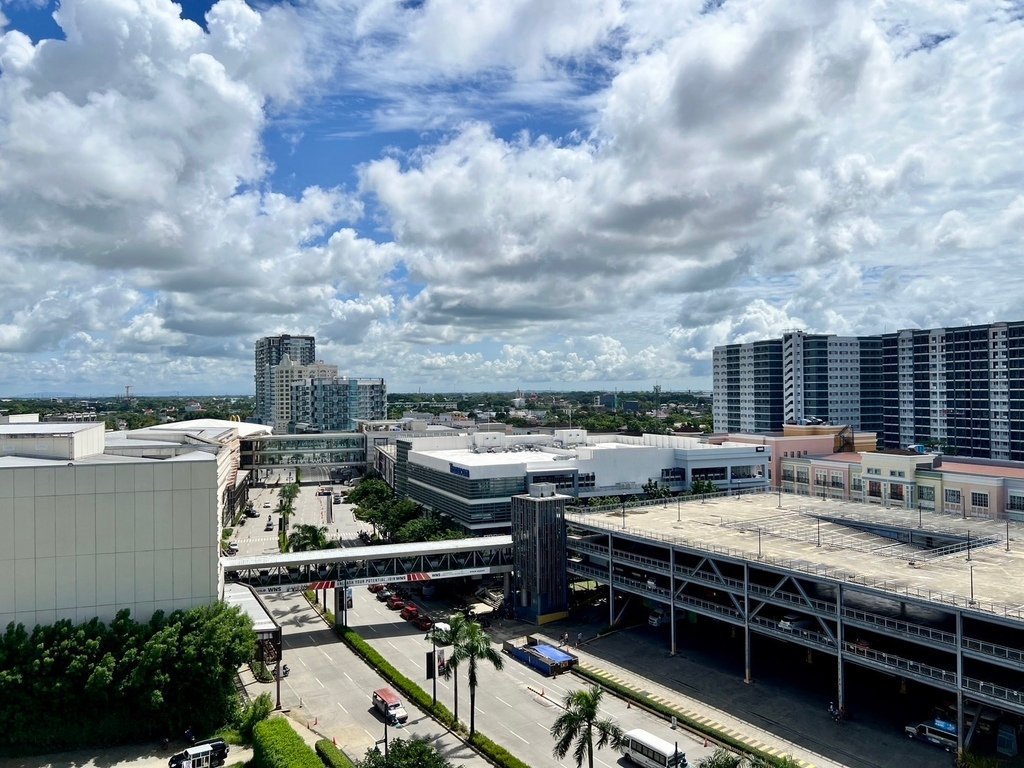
[817, 570]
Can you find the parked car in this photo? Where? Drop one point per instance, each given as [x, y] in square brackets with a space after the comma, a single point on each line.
[410, 612]
[375, 587]
[424, 622]
[384, 595]
[396, 603]
[269, 526]
[266, 505]
[251, 512]
[231, 548]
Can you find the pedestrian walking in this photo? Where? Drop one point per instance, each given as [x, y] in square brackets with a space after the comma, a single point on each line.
[579, 639]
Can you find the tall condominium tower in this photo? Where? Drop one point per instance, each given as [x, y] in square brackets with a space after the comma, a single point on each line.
[960, 389]
[334, 404]
[269, 352]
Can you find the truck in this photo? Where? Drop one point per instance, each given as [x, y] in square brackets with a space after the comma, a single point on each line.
[538, 655]
[389, 705]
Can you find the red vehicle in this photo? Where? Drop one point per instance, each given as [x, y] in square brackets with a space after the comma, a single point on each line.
[396, 603]
[375, 587]
[410, 612]
[424, 622]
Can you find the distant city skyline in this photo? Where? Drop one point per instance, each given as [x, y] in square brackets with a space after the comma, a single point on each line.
[459, 197]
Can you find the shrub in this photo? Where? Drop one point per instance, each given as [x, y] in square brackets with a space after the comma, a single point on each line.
[277, 745]
[496, 753]
[261, 672]
[255, 712]
[331, 756]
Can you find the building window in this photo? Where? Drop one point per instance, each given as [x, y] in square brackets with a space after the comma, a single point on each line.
[873, 471]
[855, 483]
[896, 492]
[820, 477]
[897, 473]
[979, 500]
[952, 496]
[926, 493]
[801, 476]
[1016, 503]
[875, 489]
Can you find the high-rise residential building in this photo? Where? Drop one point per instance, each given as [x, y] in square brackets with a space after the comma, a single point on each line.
[283, 376]
[270, 350]
[747, 393]
[334, 404]
[958, 389]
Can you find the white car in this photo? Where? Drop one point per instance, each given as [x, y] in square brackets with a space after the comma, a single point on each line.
[266, 505]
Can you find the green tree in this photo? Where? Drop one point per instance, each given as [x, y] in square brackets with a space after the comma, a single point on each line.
[457, 628]
[412, 753]
[578, 723]
[472, 645]
[305, 538]
[722, 758]
[701, 487]
[369, 493]
[654, 490]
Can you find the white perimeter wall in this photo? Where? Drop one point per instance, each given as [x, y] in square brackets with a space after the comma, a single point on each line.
[87, 540]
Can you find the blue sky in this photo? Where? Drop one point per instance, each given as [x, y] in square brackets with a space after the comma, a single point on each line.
[589, 194]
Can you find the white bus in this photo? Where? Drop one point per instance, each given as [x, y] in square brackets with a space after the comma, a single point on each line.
[646, 749]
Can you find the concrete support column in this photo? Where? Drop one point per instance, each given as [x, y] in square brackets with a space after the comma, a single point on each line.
[960, 683]
[507, 588]
[611, 588]
[672, 596]
[748, 676]
[840, 679]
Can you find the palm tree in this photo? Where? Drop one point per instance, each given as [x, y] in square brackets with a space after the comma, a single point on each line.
[472, 645]
[577, 724]
[453, 635]
[308, 537]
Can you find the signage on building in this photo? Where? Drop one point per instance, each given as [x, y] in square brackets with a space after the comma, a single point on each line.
[460, 471]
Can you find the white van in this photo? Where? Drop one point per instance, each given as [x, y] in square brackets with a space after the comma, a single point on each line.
[794, 621]
[933, 735]
[389, 705]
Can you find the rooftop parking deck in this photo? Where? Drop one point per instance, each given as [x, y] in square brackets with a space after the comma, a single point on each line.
[927, 555]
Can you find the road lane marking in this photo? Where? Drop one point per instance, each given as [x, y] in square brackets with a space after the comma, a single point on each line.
[325, 654]
[503, 701]
[342, 708]
[347, 677]
[515, 734]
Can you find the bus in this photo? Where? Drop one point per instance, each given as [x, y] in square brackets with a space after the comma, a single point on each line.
[646, 749]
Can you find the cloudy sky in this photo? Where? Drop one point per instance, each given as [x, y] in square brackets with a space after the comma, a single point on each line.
[477, 194]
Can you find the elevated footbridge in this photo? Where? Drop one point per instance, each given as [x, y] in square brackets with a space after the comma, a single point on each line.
[385, 564]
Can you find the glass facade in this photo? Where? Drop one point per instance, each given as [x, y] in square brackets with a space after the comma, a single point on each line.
[348, 449]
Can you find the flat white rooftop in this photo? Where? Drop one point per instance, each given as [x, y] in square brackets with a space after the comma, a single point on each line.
[754, 527]
[50, 429]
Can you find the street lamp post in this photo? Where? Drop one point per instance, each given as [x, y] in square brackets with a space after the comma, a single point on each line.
[972, 584]
[758, 542]
[433, 667]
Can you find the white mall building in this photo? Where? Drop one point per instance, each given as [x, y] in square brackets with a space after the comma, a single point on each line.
[96, 522]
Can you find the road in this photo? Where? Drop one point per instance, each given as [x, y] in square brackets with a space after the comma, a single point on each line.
[331, 687]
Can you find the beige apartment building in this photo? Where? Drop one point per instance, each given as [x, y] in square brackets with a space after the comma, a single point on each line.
[900, 478]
